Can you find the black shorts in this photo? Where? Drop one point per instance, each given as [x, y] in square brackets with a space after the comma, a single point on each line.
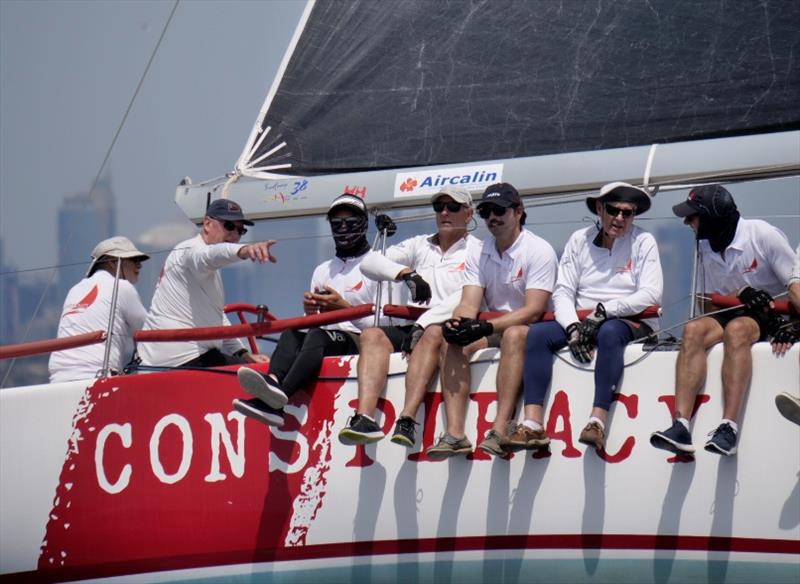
[396, 334]
[723, 318]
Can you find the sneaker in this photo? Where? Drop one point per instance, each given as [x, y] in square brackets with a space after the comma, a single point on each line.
[523, 438]
[448, 446]
[788, 406]
[404, 431]
[722, 441]
[593, 435]
[676, 439]
[262, 386]
[258, 410]
[494, 444]
[360, 430]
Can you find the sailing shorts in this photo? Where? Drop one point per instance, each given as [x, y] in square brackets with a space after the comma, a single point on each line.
[723, 318]
[396, 334]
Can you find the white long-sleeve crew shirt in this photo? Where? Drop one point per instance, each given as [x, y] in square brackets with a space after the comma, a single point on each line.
[759, 256]
[444, 271]
[529, 264]
[87, 309]
[189, 294]
[626, 279]
[794, 278]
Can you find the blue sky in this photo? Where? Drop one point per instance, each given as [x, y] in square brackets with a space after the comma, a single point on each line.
[67, 73]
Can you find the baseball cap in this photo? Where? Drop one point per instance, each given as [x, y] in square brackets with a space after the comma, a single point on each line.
[620, 192]
[458, 194]
[347, 200]
[226, 210]
[501, 194]
[115, 247]
[709, 200]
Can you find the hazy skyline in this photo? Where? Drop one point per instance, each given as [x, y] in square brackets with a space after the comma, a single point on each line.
[67, 73]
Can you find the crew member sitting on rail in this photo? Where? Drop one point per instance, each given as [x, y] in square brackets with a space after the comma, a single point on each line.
[189, 293]
[433, 267]
[746, 257]
[87, 308]
[336, 283]
[788, 404]
[512, 271]
[613, 269]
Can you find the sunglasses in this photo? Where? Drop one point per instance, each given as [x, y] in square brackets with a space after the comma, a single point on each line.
[231, 226]
[614, 211]
[495, 210]
[338, 223]
[452, 206]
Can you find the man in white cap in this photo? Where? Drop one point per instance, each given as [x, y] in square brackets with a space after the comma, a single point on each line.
[433, 267]
[189, 292]
[88, 306]
[612, 268]
[336, 283]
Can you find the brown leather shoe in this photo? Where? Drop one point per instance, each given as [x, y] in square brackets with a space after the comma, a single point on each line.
[593, 435]
[524, 438]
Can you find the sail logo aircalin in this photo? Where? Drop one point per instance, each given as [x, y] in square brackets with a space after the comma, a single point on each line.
[420, 183]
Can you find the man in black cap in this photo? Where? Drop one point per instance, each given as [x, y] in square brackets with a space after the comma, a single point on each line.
[746, 257]
[513, 271]
[189, 292]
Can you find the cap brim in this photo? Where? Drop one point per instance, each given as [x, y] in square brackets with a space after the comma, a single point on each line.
[684, 209]
[498, 202]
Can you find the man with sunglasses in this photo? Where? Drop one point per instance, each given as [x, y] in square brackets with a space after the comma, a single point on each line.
[513, 271]
[614, 269]
[189, 292]
[433, 268]
[87, 307]
[336, 283]
[746, 257]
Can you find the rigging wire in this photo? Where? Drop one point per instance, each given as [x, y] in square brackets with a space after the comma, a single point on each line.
[96, 180]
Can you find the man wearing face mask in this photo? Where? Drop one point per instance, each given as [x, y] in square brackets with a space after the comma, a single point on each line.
[335, 283]
[746, 257]
[513, 271]
[189, 292]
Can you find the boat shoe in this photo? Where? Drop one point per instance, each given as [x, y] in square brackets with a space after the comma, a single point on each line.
[593, 435]
[524, 438]
[262, 386]
[448, 446]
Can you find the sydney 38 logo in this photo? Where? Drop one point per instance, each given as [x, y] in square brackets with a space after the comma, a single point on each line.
[285, 191]
[473, 178]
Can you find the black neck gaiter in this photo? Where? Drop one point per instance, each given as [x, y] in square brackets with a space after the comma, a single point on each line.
[351, 240]
[719, 231]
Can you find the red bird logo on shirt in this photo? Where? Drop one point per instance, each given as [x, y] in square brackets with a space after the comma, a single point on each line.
[520, 275]
[627, 267]
[84, 303]
[753, 267]
[357, 287]
[459, 268]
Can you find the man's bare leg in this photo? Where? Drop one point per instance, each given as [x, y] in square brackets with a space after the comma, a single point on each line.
[422, 365]
[373, 368]
[455, 378]
[737, 364]
[509, 375]
[691, 366]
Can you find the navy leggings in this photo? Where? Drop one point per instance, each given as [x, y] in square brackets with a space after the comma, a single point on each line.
[545, 338]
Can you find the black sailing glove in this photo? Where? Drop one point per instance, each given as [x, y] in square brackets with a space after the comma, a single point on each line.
[587, 330]
[466, 330]
[754, 299]
[581, 352]
[783, 331]
[385, 222]
[411, 339]
[420, 289]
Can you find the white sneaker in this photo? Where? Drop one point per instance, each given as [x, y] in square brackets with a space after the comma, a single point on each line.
[788, 406]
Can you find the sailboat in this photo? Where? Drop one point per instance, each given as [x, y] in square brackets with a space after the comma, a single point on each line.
[154, 477]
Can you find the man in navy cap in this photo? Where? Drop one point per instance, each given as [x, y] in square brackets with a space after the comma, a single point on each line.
[746, 257]
[189, 292]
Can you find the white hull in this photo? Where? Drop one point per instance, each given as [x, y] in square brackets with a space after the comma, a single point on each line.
[149, 474]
